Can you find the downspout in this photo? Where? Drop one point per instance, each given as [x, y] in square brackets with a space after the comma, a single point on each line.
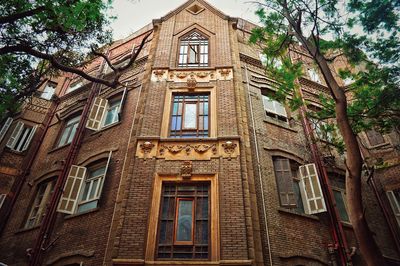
[336, 226]
[51, 214]
[392, 227]
[17, 186]
[258, 167]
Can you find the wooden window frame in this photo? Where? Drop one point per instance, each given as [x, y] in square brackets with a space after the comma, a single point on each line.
[184, 243]
[180, 133]
[394, 204]
[273, 113]
[153, 227]
[202, 43]
[65, 126]
[343, 194]
[21, 137]
[48, 191]
[371, 138]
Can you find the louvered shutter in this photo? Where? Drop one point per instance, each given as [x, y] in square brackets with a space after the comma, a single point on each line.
[98, 193]
[121, 104]
[5, 128]
[72, 188]
[97, 113]
[268, 104]
[15, 135]
[28, 141]
[313, 198]
[284, 179]
[395, 204]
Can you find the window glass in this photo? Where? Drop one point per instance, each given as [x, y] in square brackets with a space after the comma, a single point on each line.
[69, 131]
[91, 189]
[274, 108]
[111, 116]
[38, 209]
[184, 222]
[49, 90]
[340, 205]
[313, 74]
[189, 115]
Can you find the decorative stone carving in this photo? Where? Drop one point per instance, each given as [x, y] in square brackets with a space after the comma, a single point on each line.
[202, 148]
[181, 75]
[202, 74]
[159, 74]
[186, 169]
[229, 148]
[191, 83]
[171, 148]
[146, 148]
[225, 73]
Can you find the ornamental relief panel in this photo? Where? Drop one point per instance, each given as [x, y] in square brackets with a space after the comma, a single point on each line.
[192, 76]
[185, 150]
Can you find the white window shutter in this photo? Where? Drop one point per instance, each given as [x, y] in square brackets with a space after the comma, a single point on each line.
[5, 128]
[280, 109]
[97, 113]
[268, 104]
[313, 199]
[15, 134]
[121, 104]
[98, 194]
[395, 204]
[28, 141]
[72, 188]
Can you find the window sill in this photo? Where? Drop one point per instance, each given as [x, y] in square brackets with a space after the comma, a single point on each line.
[58, 148]
[16, 152]
[23, 230]
[280, 124]
[283, 210]
[71, 216]
[106, 127]
[347, 224]
[380, 146]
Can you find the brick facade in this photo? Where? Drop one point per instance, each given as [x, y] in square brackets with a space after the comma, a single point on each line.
[246, 223]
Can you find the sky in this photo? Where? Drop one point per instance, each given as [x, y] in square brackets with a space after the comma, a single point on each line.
[134, 14]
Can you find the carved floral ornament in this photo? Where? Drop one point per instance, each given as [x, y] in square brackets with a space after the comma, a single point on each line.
[185, 76]
[198, 150]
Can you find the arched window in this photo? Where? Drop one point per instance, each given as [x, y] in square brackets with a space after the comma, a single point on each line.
[193, 51]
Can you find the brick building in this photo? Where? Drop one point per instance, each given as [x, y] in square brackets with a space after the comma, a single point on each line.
[191, 162]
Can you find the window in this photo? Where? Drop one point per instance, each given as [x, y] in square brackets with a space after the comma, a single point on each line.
[74, 86]
[190, 115]
[5, 128]
[323, 130]
[184, 222]
[21, 137]
[49, 90]
[2, 199]
[394, 200]
[288, 184]
[313, 74]
[42, 197]
[69, 131]
[193, 51]
[298, 186]
[340, 199]
[83, 187]
[374, 137]
[274, 108]
[105, 112]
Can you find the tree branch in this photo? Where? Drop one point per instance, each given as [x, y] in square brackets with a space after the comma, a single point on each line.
[14, 17]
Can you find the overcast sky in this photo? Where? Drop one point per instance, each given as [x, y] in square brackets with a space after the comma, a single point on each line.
[134, 14]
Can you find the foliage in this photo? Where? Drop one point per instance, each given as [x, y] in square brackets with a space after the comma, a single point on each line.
[367, 35]
[42, 36]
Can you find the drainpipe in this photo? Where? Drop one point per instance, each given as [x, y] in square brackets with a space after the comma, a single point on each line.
[386, 212]
[337, 231]
[17, 185]
[258, 167]
[43, 240]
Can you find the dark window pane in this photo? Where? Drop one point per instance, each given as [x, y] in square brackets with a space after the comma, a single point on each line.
[341, 206]
[185, 220]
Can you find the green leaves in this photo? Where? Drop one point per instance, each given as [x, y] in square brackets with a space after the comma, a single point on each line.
[62, 29]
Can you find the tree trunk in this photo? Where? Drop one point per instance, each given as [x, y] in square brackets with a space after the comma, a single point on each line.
[366, 241]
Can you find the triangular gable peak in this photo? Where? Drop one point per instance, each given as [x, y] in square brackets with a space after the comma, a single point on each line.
[189, 5]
